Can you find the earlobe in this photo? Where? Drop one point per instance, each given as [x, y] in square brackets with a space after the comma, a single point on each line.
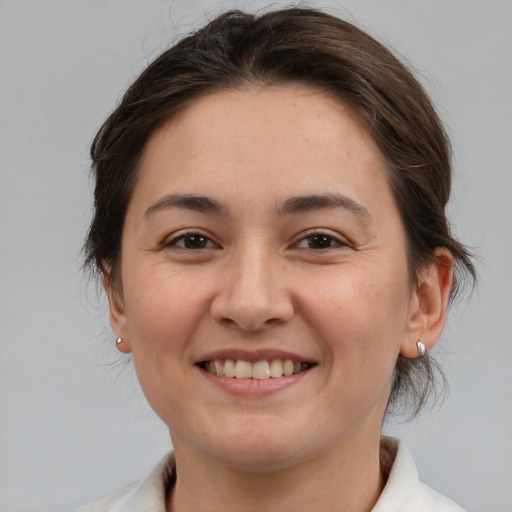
[117, 312]
[429, 304]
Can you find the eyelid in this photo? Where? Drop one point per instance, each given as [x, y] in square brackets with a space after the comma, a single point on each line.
[171, 240]
[339, 240]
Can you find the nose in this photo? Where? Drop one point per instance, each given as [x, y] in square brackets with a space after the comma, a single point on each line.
[253, 297]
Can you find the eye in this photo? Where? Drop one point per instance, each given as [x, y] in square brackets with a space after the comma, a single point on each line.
[319, 241]
[191, 241]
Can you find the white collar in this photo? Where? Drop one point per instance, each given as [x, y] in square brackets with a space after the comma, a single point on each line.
[403, 492]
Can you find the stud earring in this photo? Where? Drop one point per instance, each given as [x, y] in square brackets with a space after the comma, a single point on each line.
[421, 348]
[119, 341]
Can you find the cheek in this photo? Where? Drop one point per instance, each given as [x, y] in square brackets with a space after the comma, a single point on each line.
[163, 310]
[360, 315]
[360, 324]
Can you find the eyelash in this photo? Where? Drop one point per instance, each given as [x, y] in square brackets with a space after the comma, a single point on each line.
[310, 238]
[173, 242]
[321, 237]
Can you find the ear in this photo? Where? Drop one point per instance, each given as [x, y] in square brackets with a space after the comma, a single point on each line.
[429, 303]
[117, 311]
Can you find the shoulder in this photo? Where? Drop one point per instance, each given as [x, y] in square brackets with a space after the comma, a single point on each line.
[404, 492]
[148, 495]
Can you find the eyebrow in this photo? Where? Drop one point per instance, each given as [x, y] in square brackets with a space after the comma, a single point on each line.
[304, 204]
[201, 204]
[292, 206]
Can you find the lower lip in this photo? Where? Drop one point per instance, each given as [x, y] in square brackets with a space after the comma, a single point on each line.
[253, 387]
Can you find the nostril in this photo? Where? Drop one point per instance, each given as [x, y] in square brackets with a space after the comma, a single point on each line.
[252, 303]
[249, 322]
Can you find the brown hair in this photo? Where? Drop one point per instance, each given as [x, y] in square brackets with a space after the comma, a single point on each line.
[290, 45]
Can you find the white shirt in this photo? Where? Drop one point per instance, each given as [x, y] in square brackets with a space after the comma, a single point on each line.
[403, 492]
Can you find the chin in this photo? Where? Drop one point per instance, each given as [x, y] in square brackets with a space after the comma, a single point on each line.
[261, 449]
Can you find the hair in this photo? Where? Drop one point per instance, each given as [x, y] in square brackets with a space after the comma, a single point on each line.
[295, 45]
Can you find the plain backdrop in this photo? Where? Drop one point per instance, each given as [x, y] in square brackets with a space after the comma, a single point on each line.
[73, 423]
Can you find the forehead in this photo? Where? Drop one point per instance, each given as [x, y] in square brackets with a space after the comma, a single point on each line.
[275, 133]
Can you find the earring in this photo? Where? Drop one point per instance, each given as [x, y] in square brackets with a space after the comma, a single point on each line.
[119, 341]
[421, 348]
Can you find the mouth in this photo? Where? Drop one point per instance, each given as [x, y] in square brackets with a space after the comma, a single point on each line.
[259, 370]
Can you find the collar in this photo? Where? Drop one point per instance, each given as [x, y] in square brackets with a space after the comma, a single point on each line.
[403, 492]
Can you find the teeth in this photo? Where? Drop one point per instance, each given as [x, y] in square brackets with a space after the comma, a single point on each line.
[276, 368]
[229, 368]
[288, 367]
[260, 370]
[243, 369]
[216, 367]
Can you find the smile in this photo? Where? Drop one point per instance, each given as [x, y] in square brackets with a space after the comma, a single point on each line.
[260, 370]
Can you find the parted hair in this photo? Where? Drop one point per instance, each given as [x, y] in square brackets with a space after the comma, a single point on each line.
[295, 45]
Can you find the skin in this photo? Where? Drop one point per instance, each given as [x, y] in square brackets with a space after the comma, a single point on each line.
[259, 281]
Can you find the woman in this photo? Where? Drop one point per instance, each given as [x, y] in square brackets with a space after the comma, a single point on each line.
[270, 231]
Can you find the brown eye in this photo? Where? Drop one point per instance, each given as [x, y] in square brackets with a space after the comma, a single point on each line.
[192, 241]
[319, 241]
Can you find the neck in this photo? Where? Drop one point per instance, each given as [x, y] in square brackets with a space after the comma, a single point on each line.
[344, 479]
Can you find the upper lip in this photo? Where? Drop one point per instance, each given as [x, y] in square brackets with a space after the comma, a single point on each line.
[253, 356]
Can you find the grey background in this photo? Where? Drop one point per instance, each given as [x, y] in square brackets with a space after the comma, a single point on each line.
[73, 424]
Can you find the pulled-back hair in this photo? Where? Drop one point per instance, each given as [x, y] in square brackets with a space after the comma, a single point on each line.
[297, 45]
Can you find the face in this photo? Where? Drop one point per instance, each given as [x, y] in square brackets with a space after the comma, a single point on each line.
[262, 240]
